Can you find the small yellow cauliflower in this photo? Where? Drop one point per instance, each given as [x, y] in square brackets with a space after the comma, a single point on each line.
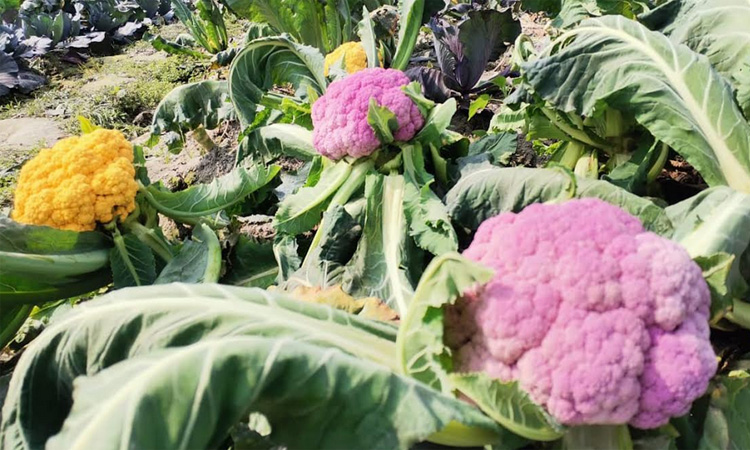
[353, 54]
[78, 182]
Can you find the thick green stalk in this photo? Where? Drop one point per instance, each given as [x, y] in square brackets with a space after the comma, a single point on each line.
[151, 238]
[200, 136]
[587, 165]
[459, 435]
[572, 152]
[352, 184]
[656, 169]
[598, 437]
[573, 132]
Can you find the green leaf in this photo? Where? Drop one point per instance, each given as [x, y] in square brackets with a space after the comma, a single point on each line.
[337, 19]
[11, 321]
[288, 381]
[321, 25]
[133, 322]
[429, 223]
[410, 20]
[206, 26]
[31, 289]
[490, 191]
[437, 123]
[421, 351]
[380, 263]
[714, 221]
[286, 255]
[500, 146]
[478, 104]
[641, 169]
[48, 252]
[202, 200]
[173, 48]
[251, 264]
[509, 120]
[716, 271]
[671, 91]
[86, 125]
[324, 265]
[287, 140]
[413, 90]
[113, 348]
[510, 406]
[715, 28]
[728, 414]
[382, 121]
[43, 264]
[273, 61]
[301, 211]
[132, 262]
[204, 104]
[198, 261]
[368, 40]
[574, 11]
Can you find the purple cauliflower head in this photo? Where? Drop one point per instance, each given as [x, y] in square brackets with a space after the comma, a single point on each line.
[339, 117]
[600, 321]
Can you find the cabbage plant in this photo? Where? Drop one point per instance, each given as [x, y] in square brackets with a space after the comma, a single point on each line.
[463, 48]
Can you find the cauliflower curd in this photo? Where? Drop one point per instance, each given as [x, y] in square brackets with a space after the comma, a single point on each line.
[353, 54]
[340, 126]
[78, 182]
[600, 321]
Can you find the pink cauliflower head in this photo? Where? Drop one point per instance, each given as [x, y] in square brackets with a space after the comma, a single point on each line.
[339, 117]
[600, 321]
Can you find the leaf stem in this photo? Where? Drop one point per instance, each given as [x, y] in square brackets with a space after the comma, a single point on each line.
[122, 249]
[574, 133]
[149, 237]
[352, 184]
[656, 169]
[200, 136]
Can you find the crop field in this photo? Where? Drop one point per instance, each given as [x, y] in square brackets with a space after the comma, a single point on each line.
[375, 224]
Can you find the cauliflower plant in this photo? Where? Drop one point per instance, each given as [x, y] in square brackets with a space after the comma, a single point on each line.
[78, 182]
[340, 126]
[599, 321]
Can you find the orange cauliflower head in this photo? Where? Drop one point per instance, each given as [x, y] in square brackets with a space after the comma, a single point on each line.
[353, 57]
[78, 182]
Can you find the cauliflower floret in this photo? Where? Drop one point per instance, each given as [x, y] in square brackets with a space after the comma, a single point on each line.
[78, 182]
[353, 54]
[339, 117]
[600, 321]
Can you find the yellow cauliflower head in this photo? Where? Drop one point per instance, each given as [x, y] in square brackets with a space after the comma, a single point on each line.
[78, 182]
[353, 54]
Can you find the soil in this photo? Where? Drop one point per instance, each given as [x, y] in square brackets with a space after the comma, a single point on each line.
[534, 26]
[21, 135]
[525, 155]
[679, 180]
[259, 228]
[193, 164]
